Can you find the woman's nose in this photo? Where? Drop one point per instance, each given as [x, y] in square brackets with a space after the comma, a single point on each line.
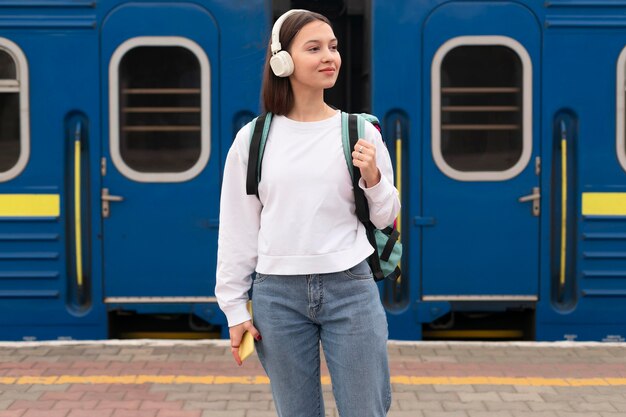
[327, 56]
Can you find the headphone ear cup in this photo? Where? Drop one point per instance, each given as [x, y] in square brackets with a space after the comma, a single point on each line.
[282, 64]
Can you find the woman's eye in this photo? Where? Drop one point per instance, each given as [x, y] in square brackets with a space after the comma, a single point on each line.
[313, 49]
[333, 47]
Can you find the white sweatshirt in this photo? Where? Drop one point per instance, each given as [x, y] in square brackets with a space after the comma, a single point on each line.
[304, 220]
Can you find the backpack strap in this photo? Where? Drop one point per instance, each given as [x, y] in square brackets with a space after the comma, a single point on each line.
[394, 235]
[360, 201]
[258, 138]
[345, 139]
[350, 126]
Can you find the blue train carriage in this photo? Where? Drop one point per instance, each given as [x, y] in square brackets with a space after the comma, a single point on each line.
[511, 120]
[115, 120]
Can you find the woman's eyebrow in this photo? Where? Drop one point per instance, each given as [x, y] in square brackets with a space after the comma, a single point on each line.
[318, 41]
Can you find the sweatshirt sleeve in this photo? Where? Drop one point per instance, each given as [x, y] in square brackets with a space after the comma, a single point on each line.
[382, 198]
[238, 234]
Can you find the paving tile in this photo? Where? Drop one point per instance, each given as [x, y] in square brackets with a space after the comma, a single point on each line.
[494, 388]
[145, 395]
[45, 413]
[478, 396]
[252, 405]
[118, 405]
[215, 388]
[538, 389]
[205, 405]
[134, 413]
[521, 396]
[599, 398]
[12, 413]
[179, 413]
[420, 405]
[73, 405]
[593, 407]
[229, 413]
[88, 388]
[199, 396]
[260, 413]
[161, 405]
[34, 405]
[453, 405]
[473, 413]
[111, 396]
[554, 406]
[48, 388]
[454, 388]
[171, 388]
[506, 406]
[433, 396]
[11, 394]
[431, 413]
[400, 413]
[534, 414]
[90, 413]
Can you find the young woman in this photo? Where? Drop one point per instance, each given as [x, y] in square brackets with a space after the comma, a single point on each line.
[302, 237]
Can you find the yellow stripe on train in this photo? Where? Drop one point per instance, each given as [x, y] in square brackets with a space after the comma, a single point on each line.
[30, 205]
[604, 204]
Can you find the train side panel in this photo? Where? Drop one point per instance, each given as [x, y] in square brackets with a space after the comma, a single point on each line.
[512, 181]
[128, 111]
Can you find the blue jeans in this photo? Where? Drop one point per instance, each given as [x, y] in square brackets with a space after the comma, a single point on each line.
[343, 311]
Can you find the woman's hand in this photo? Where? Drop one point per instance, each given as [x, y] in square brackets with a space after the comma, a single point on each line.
[236, 334]
[364, 157]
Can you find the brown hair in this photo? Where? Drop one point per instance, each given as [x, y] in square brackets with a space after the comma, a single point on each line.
[276, 92]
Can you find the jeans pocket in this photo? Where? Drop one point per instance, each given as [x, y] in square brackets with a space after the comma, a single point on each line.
[360, 271]
[259, 278]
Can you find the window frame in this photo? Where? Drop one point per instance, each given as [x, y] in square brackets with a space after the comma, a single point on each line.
[21, 74]
[527, 78]
[205, 109]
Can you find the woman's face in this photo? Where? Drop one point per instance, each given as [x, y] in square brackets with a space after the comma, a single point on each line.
[315, 57]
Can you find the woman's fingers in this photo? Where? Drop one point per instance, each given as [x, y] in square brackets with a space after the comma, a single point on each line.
[364, 158]
[253, 331]
[235, 352]
[363, 146]
[236, 336]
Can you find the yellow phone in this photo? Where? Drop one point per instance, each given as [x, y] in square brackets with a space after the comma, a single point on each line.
[246, 347]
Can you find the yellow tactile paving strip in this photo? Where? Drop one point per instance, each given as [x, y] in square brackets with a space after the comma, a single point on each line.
[263, 380]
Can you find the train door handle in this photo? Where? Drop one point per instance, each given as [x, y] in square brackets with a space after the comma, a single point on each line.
[535, 197]
[106, 197]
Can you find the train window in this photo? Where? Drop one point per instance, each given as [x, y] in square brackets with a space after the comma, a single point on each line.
[160, 123]
[481, 108]
[621, 109]
[14, 132]
[7, 66]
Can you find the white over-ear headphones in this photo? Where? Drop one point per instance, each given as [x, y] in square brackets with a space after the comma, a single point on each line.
[281, 62]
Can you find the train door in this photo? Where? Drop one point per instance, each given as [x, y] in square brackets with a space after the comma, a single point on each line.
[159, 166]
[480, 178]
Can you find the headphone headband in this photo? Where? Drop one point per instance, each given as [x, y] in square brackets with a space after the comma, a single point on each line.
[275, 46]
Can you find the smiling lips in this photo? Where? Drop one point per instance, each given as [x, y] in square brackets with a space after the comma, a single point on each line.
[328, 70]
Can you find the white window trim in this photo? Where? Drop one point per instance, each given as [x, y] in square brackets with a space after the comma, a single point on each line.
[22, 78]
[526, 108]
[620, 145]
[205, 112]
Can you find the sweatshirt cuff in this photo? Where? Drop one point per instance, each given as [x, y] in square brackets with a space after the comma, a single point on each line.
[237, 314]
[378, 193]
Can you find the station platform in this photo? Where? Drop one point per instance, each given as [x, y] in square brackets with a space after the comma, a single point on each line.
[151, 378]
